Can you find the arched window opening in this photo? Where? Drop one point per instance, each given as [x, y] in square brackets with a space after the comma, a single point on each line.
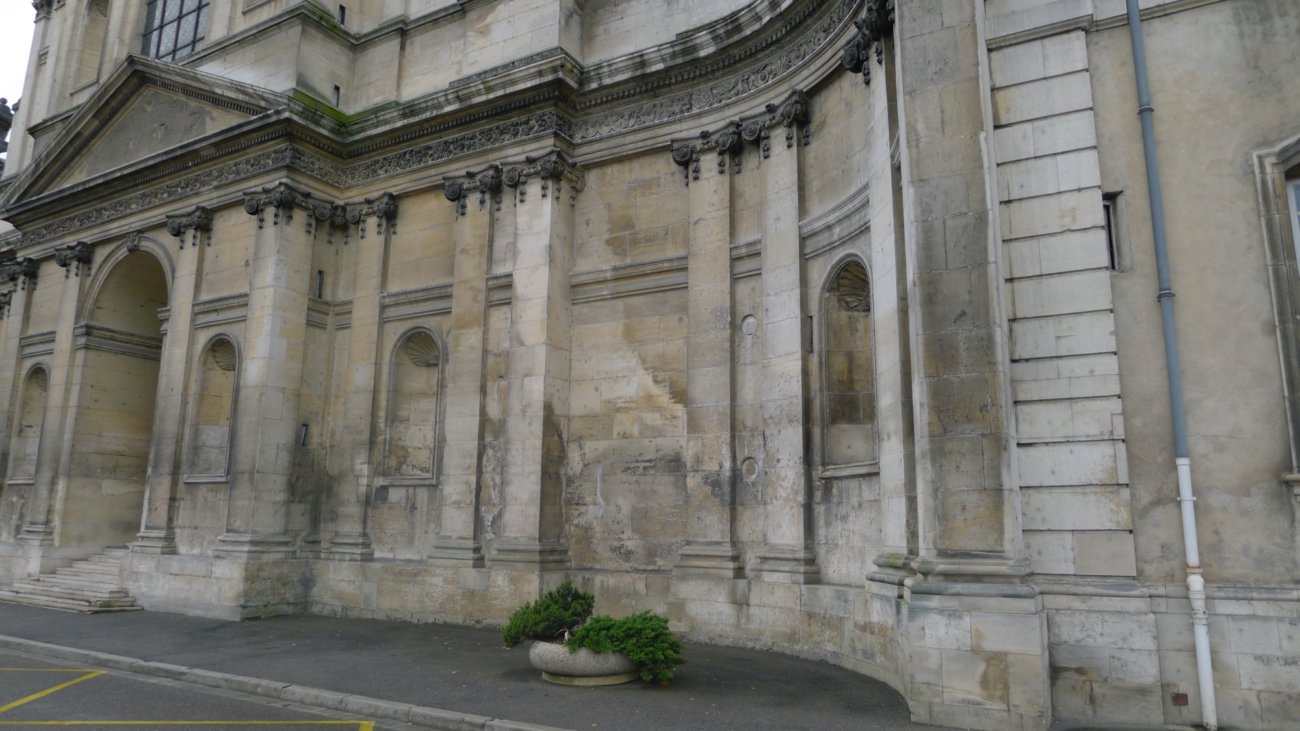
[174, 29]
[214, 405]
[848, 369]
[31, 418]
[412, 433]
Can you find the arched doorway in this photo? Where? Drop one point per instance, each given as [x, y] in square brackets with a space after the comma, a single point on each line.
[118, 346]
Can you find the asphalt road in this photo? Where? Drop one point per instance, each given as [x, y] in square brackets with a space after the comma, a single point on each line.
[37, 694]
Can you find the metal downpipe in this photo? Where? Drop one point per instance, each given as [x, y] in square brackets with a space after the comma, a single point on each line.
[1182, 458]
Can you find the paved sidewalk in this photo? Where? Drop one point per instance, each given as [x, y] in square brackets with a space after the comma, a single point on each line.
[456, 677]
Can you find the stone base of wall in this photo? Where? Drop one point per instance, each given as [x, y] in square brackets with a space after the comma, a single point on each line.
[222, 588]
[1123, 659]
[973, 655]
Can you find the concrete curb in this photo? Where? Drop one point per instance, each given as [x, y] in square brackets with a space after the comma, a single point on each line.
[373, 708]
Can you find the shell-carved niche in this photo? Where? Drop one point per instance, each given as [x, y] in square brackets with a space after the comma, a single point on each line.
[413, 414]
[848, 393]
[209, 452]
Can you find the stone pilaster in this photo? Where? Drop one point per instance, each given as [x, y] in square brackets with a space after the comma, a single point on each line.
[166, 451]
[787, 554]
[16, 305]
[457, 542]
[976, 633]
[532, 532]
[60, 409]
[266, 413]
[710, 470]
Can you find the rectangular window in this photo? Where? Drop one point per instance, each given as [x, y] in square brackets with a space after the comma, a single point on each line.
[343, 15]
[1110, 208]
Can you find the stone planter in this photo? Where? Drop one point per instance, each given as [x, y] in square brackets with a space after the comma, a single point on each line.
[583, 667]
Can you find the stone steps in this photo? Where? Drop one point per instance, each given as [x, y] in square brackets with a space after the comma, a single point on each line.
[89, 585]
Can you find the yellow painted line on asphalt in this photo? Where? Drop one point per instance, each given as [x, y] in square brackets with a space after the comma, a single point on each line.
[360, 725]
[47, 691]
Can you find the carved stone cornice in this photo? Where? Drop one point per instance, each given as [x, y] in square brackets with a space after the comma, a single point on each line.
[196, 222]
[728, 142]
[42, 8]
[21, 271]
[74, 257]
[743, 72]
[876, 25]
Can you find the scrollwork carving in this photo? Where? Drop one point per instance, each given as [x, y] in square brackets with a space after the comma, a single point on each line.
[194, 222]
[74, 258]
[876, 25]
[551, 170]
[20, 271]
[282, 199]
[729, 142]
[487, 182]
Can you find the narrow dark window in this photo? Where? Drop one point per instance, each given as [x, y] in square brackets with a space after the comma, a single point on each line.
[302, 435]
[1110, 207]
[174, 29]
[338, 94]
[343, 15]
[320, 283]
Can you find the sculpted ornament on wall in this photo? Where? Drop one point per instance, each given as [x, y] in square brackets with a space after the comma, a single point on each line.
[74, 257]
[551, 169]
[22, 271]
[282, 199]
[195, 222]
[876, 25]
[729, 142]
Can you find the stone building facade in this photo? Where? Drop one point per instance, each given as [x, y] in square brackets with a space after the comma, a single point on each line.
[828, 326]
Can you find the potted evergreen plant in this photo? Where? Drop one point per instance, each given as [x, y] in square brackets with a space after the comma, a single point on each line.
[571, 647]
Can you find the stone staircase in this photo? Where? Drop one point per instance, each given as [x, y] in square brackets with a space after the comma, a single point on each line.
[91, 585]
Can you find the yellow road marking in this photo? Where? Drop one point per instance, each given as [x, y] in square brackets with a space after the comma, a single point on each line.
[47, 691]
[360, 725]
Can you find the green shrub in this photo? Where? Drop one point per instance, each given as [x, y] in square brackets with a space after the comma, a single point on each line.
[644, 637]
[562, 608]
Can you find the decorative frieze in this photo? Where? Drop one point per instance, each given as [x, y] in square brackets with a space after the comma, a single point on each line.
[196, 222]
[729, 142]
[876, 25]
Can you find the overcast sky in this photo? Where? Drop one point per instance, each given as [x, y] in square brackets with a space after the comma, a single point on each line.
[16, 27]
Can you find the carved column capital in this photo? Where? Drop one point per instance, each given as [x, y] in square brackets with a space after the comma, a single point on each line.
[876, 25]
[74, 258]
[552, 169]
[345, 216]
[195, 222]
[282, 199]
[729, 140]
[42, 8]
[486, 182]
[20, 271]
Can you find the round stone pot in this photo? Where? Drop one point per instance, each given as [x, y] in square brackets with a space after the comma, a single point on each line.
[583, 667]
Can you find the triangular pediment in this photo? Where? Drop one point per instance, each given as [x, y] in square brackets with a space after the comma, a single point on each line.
[143, 111]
